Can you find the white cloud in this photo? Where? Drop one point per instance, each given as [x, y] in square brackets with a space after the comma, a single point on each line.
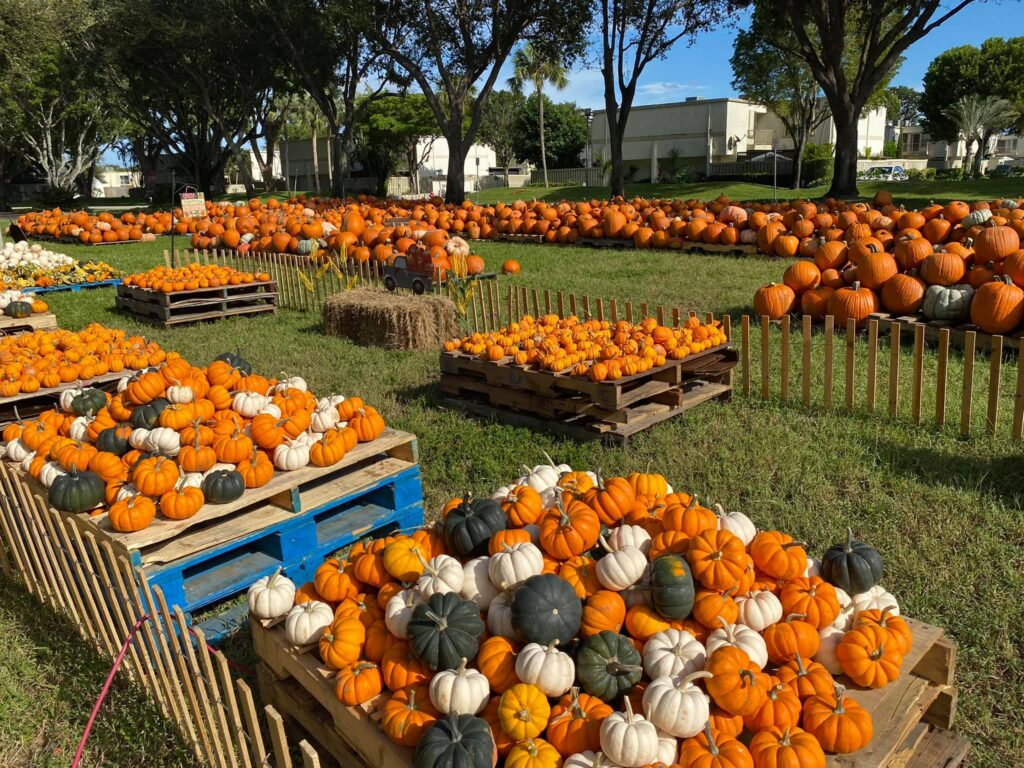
[663, 88]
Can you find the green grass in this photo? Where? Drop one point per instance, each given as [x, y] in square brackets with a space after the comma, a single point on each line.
[944, 511]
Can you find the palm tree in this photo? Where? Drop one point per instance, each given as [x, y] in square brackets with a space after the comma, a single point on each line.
[530, 65]
[978, 118]
[308, 116]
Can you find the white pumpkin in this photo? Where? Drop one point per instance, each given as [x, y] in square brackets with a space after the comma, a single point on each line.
[17, 450]
[629, 536]
[499, 616]
[875, 599]
[191, 480]
[456, 246]
[163, 440]
[813, 568]
[673, 652]
[514, 565]
[589, 759]
[844, 619]
[543, 477]
[548, 668]
[249, 404]
[620, 568]
[330, 401]
[271, 409]
[676, 705]
[122, 384]
[137, 438]
[441, 574]
[629, 739]
[476, 583]
[826, 655]
[307, 621]
[668, 748]
[323, 419]
[759, 609]
[127, 491]
[742, 637]
[459, 691]
[67, 396]
[291, 455]
[179, 394]
[51, 471]
[271, 596]
[503, 492]
[79, 429]
[291, 382]
[26, 463]
[398, 611]
[736, 523]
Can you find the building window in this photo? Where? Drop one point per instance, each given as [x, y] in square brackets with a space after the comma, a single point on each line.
[124, 180]
[911, 142]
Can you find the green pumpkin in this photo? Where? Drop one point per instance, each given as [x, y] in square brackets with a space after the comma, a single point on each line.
[88, 402]
[76, 492]
[852, 565]
[456, 741]
[468, 528]
[223, 486]
[607, 665]
[445, 630]
[145, 416]
[114, 440]
[545, 608]
[948, 302]
[672, 587]
[235, 360]
[19, 309]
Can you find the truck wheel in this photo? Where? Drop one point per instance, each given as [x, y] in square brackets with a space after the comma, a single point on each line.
[390, 284]
[418, 287]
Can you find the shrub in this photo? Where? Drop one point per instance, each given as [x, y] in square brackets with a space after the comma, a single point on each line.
[890, 149]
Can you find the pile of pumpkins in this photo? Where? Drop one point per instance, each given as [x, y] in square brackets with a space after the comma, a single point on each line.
[192, 276]
[581, 621]
[24, 266]
[93, 229]
[15, 304]
[594, 349]
[175, 437]
[950, 263]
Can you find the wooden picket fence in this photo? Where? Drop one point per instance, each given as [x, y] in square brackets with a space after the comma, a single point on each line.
[65, 568]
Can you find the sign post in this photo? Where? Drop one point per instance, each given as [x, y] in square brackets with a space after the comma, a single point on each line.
[193, 205]
[775, 169]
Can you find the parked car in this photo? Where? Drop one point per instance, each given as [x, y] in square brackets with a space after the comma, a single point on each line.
[1002, 171]
[884, 173]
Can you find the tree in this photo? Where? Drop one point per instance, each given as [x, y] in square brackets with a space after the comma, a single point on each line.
[450, 47]
[634, 33]
[870, 35]
[765, 73]
[391, 129]
[533, 66]
[977, 119]
[566, 132]
[307, 122]
[903, 104]
[499, 128]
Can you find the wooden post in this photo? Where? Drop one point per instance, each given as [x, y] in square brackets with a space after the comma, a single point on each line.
[805, 364]
[784, 393]
[1018, 402]
[872, 365]
[745, 352]
[829, 333]
[894, 370]
[940, 378]
[918, 373]
[994, 376]
[765, 357]
[970, 341]
[851, 360]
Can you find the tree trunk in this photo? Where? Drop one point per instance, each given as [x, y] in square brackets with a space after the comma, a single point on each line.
[966, 162]
[798, 162]
[316, 156]
[455, 187]
[844, 176]
[980, 155]
[543, 149]
[414, 174]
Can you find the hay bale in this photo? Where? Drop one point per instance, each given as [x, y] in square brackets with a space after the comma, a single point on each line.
[390, 320]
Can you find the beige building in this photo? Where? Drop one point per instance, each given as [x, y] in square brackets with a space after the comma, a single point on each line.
[707, 131]
[916, 143]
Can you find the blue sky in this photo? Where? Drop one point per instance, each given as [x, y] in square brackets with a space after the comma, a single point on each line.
[703, 70]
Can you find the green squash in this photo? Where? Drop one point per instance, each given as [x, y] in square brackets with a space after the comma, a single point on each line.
[88, 402]
[114, 440]
[145, 416]
[235, 360]
[18, 309]
[852, 565]
[223, 486]
[469, 527]
[545, 608]
[457, 741]
[948, 302]
[76, 492]
[445, 630]
[607, 665]
[672, 587]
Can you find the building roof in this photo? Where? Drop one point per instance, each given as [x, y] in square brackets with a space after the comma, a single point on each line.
[688, 103]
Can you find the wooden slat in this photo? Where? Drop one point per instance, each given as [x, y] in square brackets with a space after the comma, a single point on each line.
[744, 353]
[629, 312]
[784, 390]
[765, 356]
[9, 525]
[941, 375]
[560, 303]
[586, 307]
[278, 738]
[310, 759]
[227, 688]
[995, 371]
[805, 363]
[614, 311]
[252, 722]
[829, 333]
[659, 314]
[917, 373]
[600, 309]
[894, 370]
[851, 361]
[216, 695]
[207, 701]
[970, 341]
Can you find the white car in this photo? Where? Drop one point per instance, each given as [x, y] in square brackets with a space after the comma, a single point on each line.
[884, 173]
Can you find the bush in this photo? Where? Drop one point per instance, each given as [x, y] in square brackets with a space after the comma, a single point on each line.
[921, 174]
[819, 164]
[949, 174]
[890, 149]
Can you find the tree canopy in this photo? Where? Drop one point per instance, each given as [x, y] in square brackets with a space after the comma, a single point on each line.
[565, 131]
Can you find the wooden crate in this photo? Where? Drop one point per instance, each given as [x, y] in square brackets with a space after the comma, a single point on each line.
[911, 716]
[73, 287]
[15, 326]
[198, 304]
[585, 410]
[30, 405]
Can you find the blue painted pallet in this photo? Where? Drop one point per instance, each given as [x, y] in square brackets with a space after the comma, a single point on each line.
[74, 287]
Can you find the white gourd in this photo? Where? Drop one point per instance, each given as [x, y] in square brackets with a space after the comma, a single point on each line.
[588, 759]
[398, 611]
[736, 523]
[137, 438]
[191, 480]
[291, 455]
[629, 739]
[26, 463]
[813, 568]
[548, 668]
[307, 621]
[179, 394]
[17, 450]
[620, 568]
[499, 616]
[826, 655]
[441, 574]
[51, 471]
[673, 652]
[759, 610]
[323, 419]
[249, 404]
[676, 705]
[163, 440]
[126, 491]
[742, 637]
[271, 596]
[844, 619]
[476, 583]
[876, 599]
[629, 536]
[459, 691]
[271, 409]
[293, 382]
[79, 429]
[514, 565]
[67, 396]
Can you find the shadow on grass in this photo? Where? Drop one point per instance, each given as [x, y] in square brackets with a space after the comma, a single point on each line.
[78, 672]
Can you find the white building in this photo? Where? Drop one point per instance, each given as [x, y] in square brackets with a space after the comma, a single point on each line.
[709, 131]
[916, 143]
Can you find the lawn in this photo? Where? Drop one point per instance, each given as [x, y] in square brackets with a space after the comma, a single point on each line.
[944, 511]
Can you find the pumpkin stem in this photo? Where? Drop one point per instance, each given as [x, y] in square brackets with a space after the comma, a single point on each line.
[720, 510]
[551, 645]
[604, 543]
[801, 670]
[798, 616]
[840, 692]
[748, 675]
[442, 623]
[629, 710]
[551, 461]
[616, 667]
[461, 669]
[712, 746]
[693, 676]
[273, 577]
[784, 741]
[849, 541]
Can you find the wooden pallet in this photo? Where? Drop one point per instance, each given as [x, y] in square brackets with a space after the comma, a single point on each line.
[72, 287]
[616, 243]
[199, 304]
[911, 716]
[15, 326]
[957, 331]
[29, 405]
[518, 238]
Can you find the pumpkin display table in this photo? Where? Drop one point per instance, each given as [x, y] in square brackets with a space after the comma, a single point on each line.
[20, 312]
[587, 395]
